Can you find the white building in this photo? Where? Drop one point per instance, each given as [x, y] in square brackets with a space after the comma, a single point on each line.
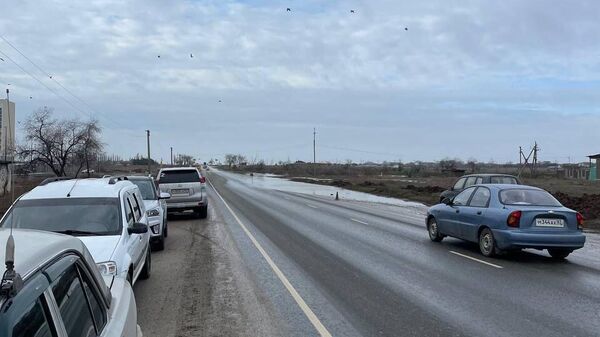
[7, 130]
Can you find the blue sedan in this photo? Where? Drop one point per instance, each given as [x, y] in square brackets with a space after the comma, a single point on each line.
[508, 217]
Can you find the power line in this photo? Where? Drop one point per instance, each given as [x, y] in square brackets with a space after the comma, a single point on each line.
[44, 84]
[57, 82]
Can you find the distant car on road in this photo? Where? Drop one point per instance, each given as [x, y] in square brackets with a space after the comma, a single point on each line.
[508, 217]
[187, 188]
[107, 214]
[62, 292]
[474, 179]
[156, 209]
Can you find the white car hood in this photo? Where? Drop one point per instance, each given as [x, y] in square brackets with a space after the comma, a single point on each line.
[101, 247]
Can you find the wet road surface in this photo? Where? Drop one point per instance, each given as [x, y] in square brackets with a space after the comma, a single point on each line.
[274, 263]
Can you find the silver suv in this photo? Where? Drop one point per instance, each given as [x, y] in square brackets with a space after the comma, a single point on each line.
[187, 188]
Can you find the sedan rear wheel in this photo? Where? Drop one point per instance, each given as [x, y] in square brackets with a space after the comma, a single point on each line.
[487, 244]
[559, 254]
[434, 233]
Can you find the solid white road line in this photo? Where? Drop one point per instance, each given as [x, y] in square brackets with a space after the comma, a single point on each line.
[309, 205]
[359, 221]
[290, 288]
[477, 260]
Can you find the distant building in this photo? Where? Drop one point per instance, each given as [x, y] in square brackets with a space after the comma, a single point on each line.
[7, 130]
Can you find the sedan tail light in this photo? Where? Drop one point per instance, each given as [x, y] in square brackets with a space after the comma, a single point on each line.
[514, 219]
[203, 179]
[580, 221]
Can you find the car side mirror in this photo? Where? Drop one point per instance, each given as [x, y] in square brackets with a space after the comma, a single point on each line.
[164, 195]
[447, 201]
[138, 228]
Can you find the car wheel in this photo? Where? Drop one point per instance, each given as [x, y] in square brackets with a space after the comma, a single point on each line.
[203, 212]
[559, 254]
[166, 227]
[487, 243]
[160, 244]
[434, 233]
[147, 267]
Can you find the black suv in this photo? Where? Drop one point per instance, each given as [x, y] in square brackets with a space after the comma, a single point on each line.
[473, 179]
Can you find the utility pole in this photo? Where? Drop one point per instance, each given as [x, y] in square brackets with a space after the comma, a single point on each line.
[148, 140]
[10, 168]
[314, 152]
[171, 156]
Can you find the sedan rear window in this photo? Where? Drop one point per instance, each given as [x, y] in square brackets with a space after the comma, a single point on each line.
[179, 176]
[528, 198]
[504, 180]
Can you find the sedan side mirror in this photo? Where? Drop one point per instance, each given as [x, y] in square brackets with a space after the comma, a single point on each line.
[164, 195]
[138, 228]
[447, 201]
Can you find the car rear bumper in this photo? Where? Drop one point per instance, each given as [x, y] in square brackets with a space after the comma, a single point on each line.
[177, 206]
[513, 239]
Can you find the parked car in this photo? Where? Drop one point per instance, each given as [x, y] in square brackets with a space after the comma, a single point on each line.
[156, 209]
[508, 217]
[107, 214]
[474, 179]
[187, 188]
[61, 292]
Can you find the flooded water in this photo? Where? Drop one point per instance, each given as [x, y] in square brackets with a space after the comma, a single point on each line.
[269, 181]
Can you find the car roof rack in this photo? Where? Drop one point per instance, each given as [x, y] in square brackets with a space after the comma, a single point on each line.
[54, 179]
[115, 179]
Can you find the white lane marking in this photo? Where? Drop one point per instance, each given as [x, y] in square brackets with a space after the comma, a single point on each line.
[290, 288]
[359, 221]
[309, 205]
[477, 260]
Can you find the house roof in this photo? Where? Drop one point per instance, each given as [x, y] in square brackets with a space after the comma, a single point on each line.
[594, 156]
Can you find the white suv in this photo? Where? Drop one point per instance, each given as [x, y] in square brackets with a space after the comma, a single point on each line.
[187, 188]
[107, 214]
[156, 209]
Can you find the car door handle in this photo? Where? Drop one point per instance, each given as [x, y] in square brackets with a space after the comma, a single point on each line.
[479, 213]
[457, 211]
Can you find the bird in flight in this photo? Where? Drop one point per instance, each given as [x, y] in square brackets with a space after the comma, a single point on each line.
[405, 28]
[30, 97]
[50, 76]
[158, 56]
[352, 11]
[219, 101]
[191, 55]
[289, 9]
[1, 59]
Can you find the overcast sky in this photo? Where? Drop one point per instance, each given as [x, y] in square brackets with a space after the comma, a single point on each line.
[468, 79]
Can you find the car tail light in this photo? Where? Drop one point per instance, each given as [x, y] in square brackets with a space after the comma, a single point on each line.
[202, 180]
[514, 219]
[580, 221]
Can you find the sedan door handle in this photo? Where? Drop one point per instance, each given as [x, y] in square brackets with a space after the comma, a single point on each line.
[479, 213]
[457, 211]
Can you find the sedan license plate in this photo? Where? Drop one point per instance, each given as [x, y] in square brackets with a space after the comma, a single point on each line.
[180, 191]
[543, 222]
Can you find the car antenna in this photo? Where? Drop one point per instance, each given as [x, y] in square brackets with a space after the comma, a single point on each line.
[72, 187]
[11, 281]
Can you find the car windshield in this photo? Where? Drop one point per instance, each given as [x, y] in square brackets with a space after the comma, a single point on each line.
[528, 197]
[503, 180]
[179, 176]
[76, 216]
[146, 187]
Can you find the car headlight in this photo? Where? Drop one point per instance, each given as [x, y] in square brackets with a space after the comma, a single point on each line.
[107, 268]
[153, 212]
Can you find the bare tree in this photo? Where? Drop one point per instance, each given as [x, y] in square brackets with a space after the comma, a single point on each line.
[184, 160]
[59, 144]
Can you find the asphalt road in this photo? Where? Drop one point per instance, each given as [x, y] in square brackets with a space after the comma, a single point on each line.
[273, 263]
